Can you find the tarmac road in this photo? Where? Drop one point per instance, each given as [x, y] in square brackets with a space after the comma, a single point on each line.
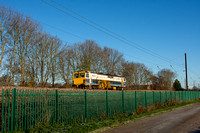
[181, 120]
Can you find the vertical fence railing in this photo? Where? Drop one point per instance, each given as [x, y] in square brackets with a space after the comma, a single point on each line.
[145, 99]
[24, 109]
[107, 114]
[13, 109]
[86, 111]
[2, 110]
[135, 100]
[123, 109]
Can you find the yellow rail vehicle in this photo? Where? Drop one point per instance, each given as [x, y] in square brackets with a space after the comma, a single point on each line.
[86, 79]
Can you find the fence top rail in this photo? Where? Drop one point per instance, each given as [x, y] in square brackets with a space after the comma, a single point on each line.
[69, 95]
[32, 92]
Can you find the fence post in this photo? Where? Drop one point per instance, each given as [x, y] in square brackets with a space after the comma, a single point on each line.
[25, 126]
[56, 102]
[2, 109]
[199, 95]
[135, 101]
[123, 101]
[160, 98]
[6, 107]
[9, 102]
[13, 109]
[86, 115]
[189, 96]
[153, 98]
[185, 96]
[107, 103]
[170, 96]
[193, 96]
[145, 97]
[175, 96]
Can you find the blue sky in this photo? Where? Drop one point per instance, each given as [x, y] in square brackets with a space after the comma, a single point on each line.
[169, 28]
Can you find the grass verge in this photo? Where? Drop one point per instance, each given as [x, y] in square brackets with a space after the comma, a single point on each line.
[100, 125]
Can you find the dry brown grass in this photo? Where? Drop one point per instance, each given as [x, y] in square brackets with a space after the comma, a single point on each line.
[64, 89]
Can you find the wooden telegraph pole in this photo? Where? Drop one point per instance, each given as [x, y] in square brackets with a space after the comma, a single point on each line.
[186, 79]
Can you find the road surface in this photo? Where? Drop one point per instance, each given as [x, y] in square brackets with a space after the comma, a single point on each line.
[181, 120]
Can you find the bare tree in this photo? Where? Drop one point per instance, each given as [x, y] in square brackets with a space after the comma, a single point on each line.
[20, 34]
[137, 75]
[65, 64]
[28, 30]
[32, 67]
[14, 33]
[166, 77]
[112, 59]
[43, 58]
[128, 71]
[143, 74]
[5, 17]
[54, 54]
[90, 54]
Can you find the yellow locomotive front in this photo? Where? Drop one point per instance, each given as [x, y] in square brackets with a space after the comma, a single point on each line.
[79, 79]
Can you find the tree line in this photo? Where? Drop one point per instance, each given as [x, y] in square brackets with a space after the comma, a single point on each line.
[29, 56]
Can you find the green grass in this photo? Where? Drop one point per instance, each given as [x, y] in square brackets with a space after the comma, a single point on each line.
[104, 123]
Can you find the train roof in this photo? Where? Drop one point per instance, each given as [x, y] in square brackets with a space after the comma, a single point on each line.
[102, 73]
[106, 74]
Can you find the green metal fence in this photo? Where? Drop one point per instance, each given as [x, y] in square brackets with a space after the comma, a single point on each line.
[23, 109]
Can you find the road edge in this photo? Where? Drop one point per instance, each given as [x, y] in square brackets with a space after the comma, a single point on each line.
[146, 115]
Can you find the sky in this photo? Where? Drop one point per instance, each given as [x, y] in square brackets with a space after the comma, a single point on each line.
[167, 28]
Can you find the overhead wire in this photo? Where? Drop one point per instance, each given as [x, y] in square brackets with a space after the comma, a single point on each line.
[56, 28]
[105, 28]
[106, 31]
[85, 39]
[72, 34]
[173, 68]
